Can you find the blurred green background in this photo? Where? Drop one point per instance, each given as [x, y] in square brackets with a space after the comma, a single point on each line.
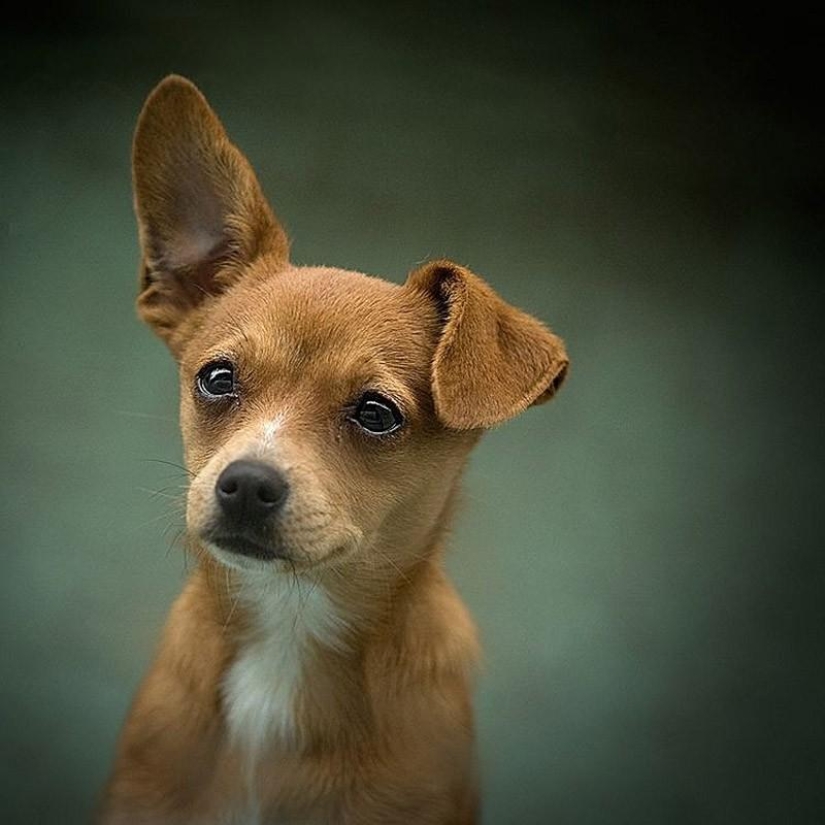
[643, 556]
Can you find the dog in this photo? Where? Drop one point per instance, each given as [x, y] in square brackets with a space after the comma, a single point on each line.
[318, 664]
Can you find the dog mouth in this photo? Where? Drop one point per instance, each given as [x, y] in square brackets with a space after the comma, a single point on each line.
[243, 545]
[244, 552]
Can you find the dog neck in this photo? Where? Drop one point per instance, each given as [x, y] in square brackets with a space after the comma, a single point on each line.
[312, 651]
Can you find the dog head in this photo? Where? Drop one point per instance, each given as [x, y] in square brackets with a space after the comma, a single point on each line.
[326, 414]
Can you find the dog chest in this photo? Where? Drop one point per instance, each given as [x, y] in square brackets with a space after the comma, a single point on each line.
[262, 685]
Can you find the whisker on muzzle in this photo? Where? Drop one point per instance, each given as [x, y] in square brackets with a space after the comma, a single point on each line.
[180, 467]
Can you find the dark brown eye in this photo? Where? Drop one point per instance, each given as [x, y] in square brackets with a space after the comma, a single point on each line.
[377, 414]
[216, 379]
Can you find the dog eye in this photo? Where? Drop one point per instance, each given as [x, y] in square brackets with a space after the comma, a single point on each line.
[216, 379]
[377, 415]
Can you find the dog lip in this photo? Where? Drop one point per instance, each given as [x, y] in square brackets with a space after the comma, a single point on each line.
[247, 547]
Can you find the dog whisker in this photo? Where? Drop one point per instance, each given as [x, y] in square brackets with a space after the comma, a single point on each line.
[151, 416]
[180, 467]
[176, 497]
[389, 559]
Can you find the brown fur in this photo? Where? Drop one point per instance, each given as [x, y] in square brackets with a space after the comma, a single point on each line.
[381, 726]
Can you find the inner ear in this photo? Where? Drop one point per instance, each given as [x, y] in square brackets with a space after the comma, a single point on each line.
[196, 230]
[492, 361]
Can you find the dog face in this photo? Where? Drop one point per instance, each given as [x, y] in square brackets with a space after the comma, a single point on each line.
[308, 419]
[326, 414]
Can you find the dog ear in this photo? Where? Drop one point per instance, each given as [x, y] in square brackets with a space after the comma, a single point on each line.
[492, 361]
[200, 210]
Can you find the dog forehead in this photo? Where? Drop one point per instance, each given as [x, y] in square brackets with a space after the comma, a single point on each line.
[309, 312]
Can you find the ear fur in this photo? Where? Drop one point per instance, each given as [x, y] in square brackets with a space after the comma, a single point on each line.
[492, 360]
[200, 210]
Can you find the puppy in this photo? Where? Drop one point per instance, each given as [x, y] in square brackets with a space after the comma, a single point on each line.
[317, 667]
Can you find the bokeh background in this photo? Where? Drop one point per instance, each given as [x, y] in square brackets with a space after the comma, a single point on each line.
[643, 556]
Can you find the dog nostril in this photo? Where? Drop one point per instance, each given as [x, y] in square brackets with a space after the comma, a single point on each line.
[229, 486]
[270, 493]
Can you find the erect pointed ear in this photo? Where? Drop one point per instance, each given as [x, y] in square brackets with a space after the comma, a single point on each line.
[200, 210]
[492, 360]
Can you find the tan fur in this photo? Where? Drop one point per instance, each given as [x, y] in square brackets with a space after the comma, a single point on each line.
[379, 726]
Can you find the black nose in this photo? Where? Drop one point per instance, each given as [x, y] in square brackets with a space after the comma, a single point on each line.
[250, 491]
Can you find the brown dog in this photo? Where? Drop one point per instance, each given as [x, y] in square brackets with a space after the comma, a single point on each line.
[317, 667]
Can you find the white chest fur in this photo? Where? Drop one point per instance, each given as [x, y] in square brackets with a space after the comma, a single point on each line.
[290, 617]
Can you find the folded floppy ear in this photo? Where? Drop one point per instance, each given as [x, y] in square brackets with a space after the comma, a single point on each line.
[492, 360]
[201, 213]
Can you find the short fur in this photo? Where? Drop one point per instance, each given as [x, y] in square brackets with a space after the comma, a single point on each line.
[331, 684]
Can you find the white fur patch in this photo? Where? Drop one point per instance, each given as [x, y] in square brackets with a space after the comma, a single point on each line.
[269, 429]
[261, 686]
